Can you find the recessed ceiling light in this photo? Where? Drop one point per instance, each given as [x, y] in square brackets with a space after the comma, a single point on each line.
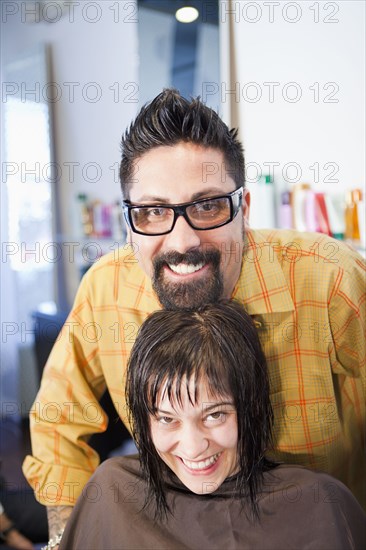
[187, 14]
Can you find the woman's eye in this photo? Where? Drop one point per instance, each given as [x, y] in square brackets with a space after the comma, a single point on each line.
[216, 416]
[165, 420]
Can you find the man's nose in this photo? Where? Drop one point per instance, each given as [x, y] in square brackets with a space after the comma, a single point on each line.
[183, 237]
[193, 443]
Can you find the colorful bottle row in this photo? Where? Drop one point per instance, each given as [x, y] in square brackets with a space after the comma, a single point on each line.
[341, 216]
[100, 220]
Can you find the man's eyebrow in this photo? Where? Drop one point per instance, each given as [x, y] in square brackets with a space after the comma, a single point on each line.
[206, 193]
[213, 191]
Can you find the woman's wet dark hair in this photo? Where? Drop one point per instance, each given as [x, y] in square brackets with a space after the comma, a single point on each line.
[217, 345]
[170, 119]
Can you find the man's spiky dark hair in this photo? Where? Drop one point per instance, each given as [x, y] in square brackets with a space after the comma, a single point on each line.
[170, 119]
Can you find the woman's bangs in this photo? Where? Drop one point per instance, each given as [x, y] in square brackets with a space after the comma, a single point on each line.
[207, 369]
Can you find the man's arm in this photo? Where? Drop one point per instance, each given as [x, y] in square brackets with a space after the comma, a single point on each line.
[347, 315]
[57, 518]
[72, 384]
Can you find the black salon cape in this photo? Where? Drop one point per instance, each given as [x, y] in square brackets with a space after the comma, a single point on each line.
[299, 509]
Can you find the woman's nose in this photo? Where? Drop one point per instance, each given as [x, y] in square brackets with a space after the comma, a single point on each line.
[193, 443]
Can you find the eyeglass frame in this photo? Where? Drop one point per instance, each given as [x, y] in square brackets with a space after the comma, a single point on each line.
[181, 210]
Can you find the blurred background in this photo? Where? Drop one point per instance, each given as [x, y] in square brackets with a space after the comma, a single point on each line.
[289, 75]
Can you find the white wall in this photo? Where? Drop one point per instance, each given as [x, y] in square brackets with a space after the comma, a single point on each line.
[103, 52]
[271, 49]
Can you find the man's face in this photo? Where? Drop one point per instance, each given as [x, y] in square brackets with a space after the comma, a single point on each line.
[188, 267]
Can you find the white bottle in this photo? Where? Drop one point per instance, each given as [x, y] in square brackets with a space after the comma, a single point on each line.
[262, 203]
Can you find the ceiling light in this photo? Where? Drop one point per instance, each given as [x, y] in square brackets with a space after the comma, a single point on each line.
[186, 14]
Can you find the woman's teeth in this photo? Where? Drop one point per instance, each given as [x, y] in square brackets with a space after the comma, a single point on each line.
[202, 464]
[185, 269]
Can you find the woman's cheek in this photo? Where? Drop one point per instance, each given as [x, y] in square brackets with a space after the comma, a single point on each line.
[163, 440]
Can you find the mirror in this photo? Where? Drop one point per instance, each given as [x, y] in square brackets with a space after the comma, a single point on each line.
[180, 55]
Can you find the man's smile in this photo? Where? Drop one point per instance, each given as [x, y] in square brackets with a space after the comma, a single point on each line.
[186, 269]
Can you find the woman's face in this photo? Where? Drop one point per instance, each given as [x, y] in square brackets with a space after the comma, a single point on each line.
[197, 441]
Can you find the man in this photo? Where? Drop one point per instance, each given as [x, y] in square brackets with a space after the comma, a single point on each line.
[182, 176]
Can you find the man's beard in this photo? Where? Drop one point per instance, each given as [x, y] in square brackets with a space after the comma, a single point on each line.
[192, 294]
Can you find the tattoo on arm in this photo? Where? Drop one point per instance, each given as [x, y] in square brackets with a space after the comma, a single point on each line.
[57, 517]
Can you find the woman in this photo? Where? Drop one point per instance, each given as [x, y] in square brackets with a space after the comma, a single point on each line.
[202, 425]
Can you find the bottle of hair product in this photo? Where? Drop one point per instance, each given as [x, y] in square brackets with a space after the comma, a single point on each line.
[262, 203]
[311, 220]
[268, 203]
[348, 216]
[98, 218]
[299, 194]
[353, 200]
[285, 212]
[361, 215]
[117, 222]
[335, 209]
[322, 214]
[84, 215]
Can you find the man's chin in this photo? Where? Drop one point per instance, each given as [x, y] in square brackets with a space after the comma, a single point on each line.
[188, 295]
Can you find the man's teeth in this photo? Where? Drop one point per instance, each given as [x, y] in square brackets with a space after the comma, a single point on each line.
[202, 464]
[184, 269]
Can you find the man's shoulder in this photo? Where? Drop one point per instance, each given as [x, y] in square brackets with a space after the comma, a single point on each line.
[120, 257]
[117, 279]
[317, 247]
[121, 264]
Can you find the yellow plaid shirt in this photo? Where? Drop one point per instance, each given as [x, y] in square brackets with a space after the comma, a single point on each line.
[306, 293]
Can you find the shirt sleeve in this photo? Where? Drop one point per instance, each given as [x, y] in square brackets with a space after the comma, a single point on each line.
[347, 315]
[66, 410]
[347, 309]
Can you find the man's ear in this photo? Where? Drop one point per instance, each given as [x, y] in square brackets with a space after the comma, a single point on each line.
[246, 206]
[129, 236]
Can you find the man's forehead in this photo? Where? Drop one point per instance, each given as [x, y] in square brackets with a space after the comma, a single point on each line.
[161, 198]
[181, 173]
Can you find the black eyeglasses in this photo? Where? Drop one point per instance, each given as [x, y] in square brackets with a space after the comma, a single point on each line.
[203, 214]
